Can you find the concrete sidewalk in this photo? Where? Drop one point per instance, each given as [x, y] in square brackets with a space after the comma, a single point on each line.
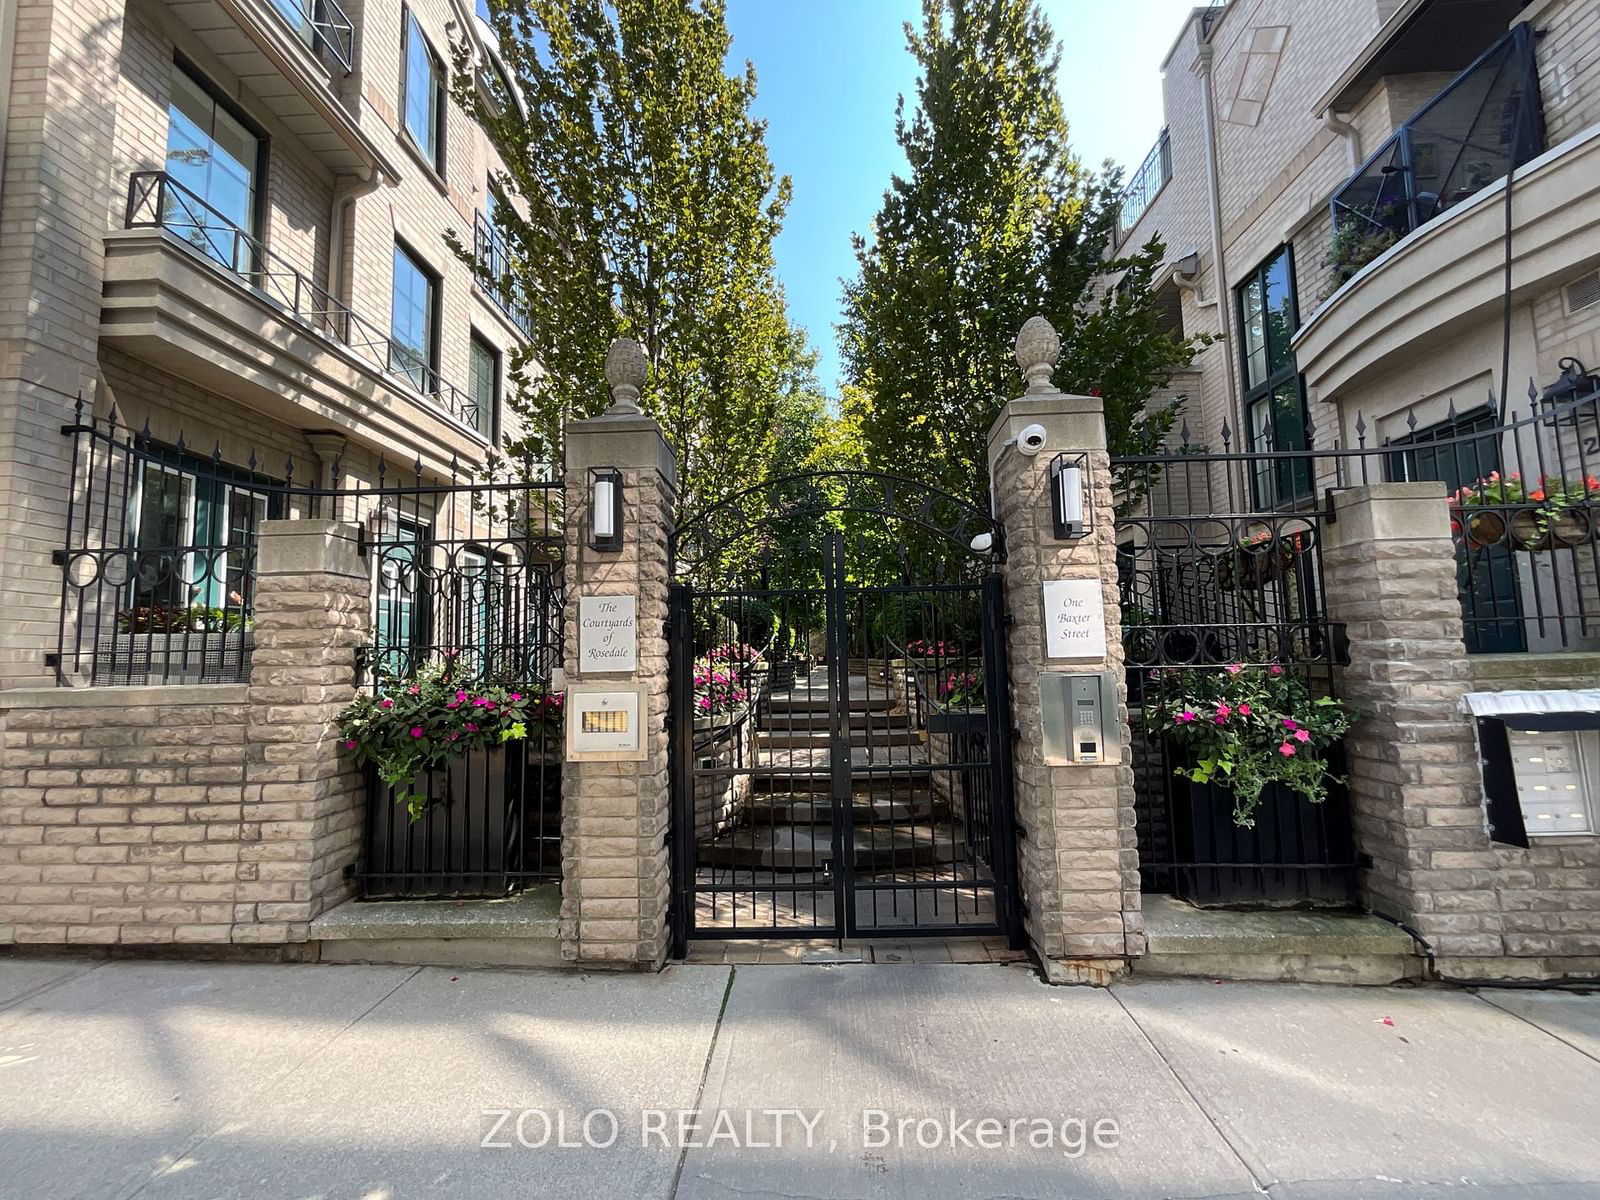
[167, 1080]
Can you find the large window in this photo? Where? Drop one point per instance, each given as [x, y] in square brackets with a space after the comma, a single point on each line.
[414, 323]
[1274, 392]
[483, 384]
[215, 158]
[423, 98]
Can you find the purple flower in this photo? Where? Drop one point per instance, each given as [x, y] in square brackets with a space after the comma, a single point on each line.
[416, 731]
[1290, 723]
[350, 744]
[385, 703]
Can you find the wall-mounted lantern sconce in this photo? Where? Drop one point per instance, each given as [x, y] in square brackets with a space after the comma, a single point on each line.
[1070, 509]
[605, 508]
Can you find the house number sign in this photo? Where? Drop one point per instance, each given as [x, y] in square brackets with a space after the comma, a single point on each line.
[1074, 618]
[608, 635]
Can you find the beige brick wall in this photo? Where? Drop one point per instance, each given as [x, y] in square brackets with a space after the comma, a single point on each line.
[1569, 65]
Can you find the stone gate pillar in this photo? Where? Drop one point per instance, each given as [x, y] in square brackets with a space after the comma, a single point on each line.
[1077, 860]
[616, 876]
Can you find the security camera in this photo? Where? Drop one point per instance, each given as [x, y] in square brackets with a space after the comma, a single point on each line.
[1031, 440]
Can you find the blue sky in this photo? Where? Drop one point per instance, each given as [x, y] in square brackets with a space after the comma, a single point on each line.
[828, 73]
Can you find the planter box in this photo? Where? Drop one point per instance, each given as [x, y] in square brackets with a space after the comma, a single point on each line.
[493, 826]
[143, 658]
[973, 720]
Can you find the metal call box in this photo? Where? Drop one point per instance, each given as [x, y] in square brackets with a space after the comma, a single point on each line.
[1079, 714]
[605, 722]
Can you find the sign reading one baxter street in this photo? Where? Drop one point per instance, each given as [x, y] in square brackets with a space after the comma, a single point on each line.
[1074, 618]
[608, 635]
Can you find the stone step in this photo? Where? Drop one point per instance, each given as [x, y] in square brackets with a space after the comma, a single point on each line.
[808, 847]
[819, 718]
[1289, 945]
[819, 702]
[819, 739]
[517, 931]
[866, 808]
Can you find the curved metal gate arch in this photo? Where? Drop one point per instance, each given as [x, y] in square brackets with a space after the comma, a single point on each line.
[841, 737]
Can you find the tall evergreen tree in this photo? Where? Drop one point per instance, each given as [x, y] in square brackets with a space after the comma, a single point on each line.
[638, 200]
[996, 220]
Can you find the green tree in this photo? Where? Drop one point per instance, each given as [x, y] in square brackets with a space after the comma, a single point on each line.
[996, 220]
[637, 200]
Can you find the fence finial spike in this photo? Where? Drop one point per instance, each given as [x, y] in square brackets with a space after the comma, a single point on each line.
[336, 470]
[251, 461]
[1361, 426]
[180, 444]
[383, 469]
[455, 466]
[216, 452]
[77, 409]
[1311, 431]
[1183, 433]
[1227, 434]
[1411, 418]
[417, 468]
[288, 469]
[1533, 390]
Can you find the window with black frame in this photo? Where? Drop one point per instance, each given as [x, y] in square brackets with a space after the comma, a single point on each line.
[1274, 393]
[483, 385]
[215, 157]
[414, 321]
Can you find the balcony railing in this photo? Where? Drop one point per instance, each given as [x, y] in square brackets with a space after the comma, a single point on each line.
[323, 26]
[1484, 124]
[1147, 181]
[157, 201]
[494, 266]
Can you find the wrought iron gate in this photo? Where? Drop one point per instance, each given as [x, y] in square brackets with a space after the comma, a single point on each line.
[841, 745]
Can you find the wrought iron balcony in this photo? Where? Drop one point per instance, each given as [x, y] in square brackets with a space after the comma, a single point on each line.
[1485, 123]
[494, 266]
[1147, 181]
[323, 26]
[157, 201]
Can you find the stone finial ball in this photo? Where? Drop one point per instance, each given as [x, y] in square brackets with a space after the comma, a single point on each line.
[626, 368]
[1038, 347]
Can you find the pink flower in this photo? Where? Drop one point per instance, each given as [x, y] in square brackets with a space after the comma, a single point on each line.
[1290, 723]
[478, 702]
[452, 704]
[1300, 735]
[1184, 717]
[1244, 710]
[416, 731]
[1286, 750]
[1223, 712]
[454, 736]
[413, 690]
[471, 728]
[1234, 668]
[350, 744]
[515, 696]
[385, 703]
[1274, 669]
[460, 697]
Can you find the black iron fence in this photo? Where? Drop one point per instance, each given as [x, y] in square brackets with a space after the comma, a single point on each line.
[159, 572]
[494, 267]
[158, 201]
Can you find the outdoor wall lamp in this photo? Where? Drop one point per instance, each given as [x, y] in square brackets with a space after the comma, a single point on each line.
[1574, 381]
[1069, 496]
[605, 508]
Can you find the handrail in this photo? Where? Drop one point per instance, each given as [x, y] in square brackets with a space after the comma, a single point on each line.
[328, 26]
[1143, 188]
[494, 266]
[157, 201]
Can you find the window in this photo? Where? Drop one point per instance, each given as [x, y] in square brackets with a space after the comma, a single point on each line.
[483, 385]
[400, 633]
[215, 159]
[1274, 394]
[423, 94]
[414, 321]
[194, 526]
[297, 15]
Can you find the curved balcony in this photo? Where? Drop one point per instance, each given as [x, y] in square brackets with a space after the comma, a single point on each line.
[190, 292]
[1449, 273]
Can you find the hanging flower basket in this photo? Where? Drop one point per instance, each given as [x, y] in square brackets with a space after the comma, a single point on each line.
[1254, 561]
[1501, 511]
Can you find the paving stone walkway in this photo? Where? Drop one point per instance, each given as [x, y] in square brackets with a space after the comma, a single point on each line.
[184, 1080]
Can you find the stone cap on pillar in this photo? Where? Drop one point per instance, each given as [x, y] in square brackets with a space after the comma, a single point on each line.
[622, 436]
[309, 546]
[1071, 422]
[1389, 512]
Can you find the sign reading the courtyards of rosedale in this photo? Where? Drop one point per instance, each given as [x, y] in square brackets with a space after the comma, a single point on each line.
[1074, 618]
[608, 635]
